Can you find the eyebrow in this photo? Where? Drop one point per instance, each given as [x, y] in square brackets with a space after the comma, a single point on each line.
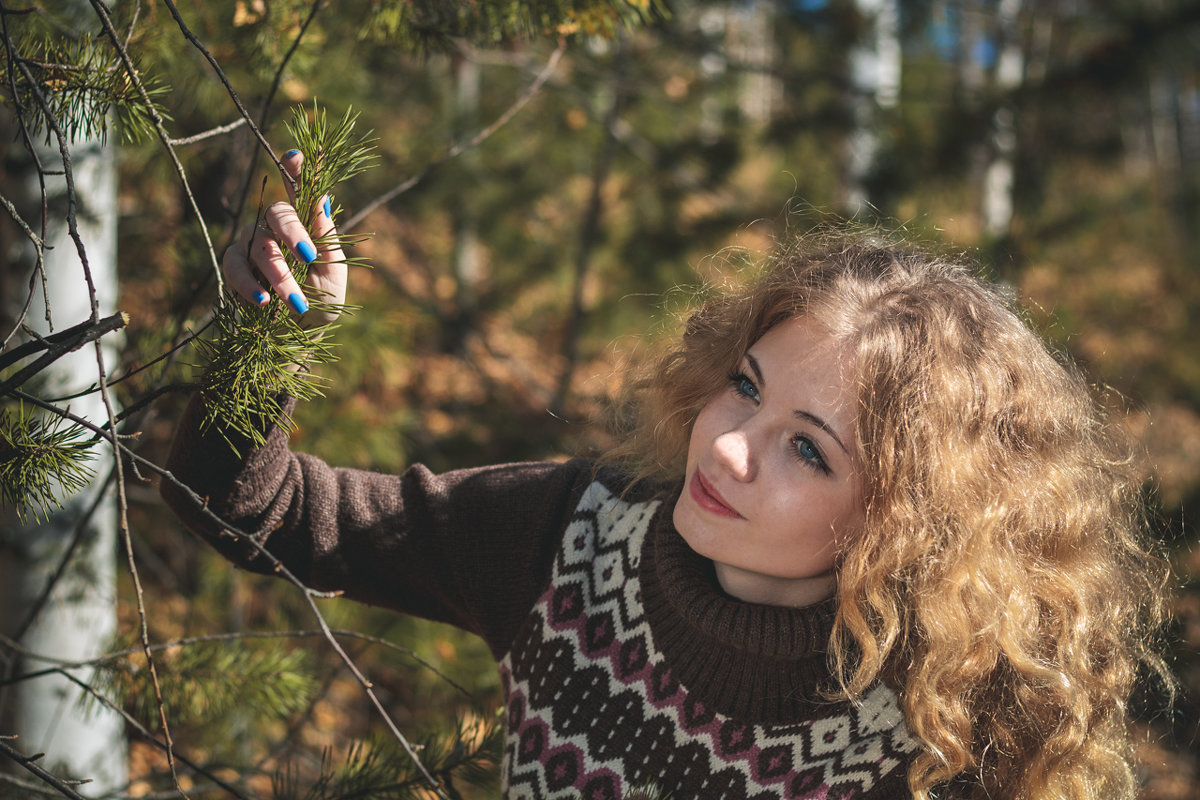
[804, 415]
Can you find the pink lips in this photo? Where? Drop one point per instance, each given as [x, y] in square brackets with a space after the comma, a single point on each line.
[708, 498]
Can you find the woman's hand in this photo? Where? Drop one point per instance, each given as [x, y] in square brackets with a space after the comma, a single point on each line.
[257, 253]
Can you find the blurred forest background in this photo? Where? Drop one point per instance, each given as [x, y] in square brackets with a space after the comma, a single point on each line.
[554, 182]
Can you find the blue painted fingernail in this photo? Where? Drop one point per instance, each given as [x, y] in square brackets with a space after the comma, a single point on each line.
[296, 301]
[307, 252]
[260, 297]
[328, 209]
[291, 153]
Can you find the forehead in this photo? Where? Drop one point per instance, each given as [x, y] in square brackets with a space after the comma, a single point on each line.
[800, 357]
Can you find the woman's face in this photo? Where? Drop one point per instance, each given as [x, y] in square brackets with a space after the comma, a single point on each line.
[772, 488]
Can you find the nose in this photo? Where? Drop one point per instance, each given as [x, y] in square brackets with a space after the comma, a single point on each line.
[732, 452]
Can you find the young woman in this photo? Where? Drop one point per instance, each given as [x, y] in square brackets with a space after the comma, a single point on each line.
[868, 538]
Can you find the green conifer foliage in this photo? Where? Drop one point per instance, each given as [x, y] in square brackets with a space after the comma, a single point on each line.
[78, 83]
[431, 25]
[466, 754]
[207, 681]
[260, 353]
[41, 459]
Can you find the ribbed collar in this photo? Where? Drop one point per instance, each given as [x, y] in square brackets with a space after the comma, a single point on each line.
[756, 663]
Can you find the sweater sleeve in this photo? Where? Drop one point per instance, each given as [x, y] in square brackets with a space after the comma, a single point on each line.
[472, 547]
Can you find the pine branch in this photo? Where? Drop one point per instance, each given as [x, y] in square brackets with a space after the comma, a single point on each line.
[470, 751]
[85, 88]
[40, 460]
[133, 723]
[261, 353]
[99, 661]
[429, 26]
[255, 542]
[209, 680]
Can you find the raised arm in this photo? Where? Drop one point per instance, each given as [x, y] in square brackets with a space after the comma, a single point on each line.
[473, 548]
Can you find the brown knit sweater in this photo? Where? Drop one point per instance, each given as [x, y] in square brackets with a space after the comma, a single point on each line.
[623, 664]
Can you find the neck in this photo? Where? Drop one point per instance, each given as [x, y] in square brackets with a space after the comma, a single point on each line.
[771, 591]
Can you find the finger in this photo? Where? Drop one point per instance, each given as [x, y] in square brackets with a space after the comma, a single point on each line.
[325, 231]
[239, 274]
[267, 256]
[292, 161]
[323, 212]
[284, 222]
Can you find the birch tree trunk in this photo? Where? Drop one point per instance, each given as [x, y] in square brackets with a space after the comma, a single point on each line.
[58, 575]
[998, 182]
[77, 618]
[874, 67]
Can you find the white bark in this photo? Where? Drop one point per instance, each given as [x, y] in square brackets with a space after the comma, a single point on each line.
[998, 183]
[468, 262]
[79, 619]
[874, 66]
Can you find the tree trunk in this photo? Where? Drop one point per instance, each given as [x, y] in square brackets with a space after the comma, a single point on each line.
[998, 182]
[874, 67]
[66, 613]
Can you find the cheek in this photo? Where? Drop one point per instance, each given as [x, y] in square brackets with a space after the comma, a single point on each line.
[704, 430]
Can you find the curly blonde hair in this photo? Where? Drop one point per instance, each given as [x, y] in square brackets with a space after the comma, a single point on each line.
[1003, 582]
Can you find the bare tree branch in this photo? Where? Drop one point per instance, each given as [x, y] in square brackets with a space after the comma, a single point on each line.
[233, 95]
[208, 134]
[30, 763]
[56, 345]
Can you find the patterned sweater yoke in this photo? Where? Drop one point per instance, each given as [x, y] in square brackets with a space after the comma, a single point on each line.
[634, 671]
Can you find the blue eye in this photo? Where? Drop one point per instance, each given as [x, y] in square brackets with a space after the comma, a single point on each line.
[807, 453]
[744, 386]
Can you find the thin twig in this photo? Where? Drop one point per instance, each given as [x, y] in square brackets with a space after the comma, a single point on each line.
[265, 111]
[39, 247]
[27, 785]
[30, 147]
[233, 95]
[16, 217]
[80, 528]
[208, 134]
[30, 763]
[72, 197]
[459, 147]
[123, 527]
[159, 127]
